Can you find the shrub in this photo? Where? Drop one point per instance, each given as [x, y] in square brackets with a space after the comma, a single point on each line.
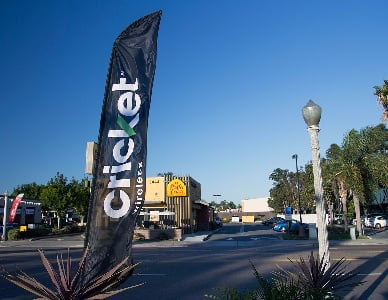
[41, 231]
[163, 236]
[13, 234]
[232, 294]
[67, 229]
[67, 287]
[337, 233]
[312, 280]
[138, 237]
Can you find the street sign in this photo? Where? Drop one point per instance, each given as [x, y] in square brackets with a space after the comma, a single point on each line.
[288, 213]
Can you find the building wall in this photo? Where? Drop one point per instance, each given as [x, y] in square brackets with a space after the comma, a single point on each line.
[255, 205]
[155, 190]
[28, 212]
[184, 211]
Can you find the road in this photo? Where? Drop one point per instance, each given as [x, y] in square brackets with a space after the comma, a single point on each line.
[179, 270]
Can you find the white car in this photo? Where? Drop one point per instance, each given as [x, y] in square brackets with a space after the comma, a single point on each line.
[379, 221]
[367, 219]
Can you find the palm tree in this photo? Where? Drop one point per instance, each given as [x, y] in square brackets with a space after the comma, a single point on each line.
[359, 167]
[338, 171]
[382, 98]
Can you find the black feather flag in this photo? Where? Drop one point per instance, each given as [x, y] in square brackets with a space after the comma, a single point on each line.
[119, 175]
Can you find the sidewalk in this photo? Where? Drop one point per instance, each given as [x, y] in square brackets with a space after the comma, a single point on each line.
[201, 236]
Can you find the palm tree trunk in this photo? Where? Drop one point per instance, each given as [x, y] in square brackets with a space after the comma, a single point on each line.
[343, 193]
[356, 200]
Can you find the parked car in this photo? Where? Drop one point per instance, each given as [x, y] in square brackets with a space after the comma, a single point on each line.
[272, 220]
[367, 218]
[282, 226]
[340, 219]
[379, 221]
[218, 221]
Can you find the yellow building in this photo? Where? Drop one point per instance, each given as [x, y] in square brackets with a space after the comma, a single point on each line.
[175, 202]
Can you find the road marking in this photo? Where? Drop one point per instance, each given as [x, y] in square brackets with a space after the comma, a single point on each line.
[151, 274]
[242, 230]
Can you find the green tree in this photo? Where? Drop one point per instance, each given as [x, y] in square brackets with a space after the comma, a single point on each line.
[285, 192]
[223, 205]
[30, 190]
[359, 167]
[57, 196]
[374, 160]
[79, 196]
[338, 171]
[281, 194]
[231, 205]
[213, 204]
[382, 97]
[307, 191]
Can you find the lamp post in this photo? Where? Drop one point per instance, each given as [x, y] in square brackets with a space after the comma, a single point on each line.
[217, 195]
[312, 115]
[295, 156]
[5, 215]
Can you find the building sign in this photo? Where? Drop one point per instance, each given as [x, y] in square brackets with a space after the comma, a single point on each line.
[176, 188]
[30, 211]
[154, 215]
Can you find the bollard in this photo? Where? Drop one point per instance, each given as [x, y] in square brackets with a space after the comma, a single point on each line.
[313, 231]
[352, 232]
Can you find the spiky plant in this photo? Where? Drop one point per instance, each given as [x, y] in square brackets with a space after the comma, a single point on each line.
[66, 288]
[279, 287]
[315, 276]
[310, 280]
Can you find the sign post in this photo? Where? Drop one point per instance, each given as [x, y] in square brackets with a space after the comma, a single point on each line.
[288, 216]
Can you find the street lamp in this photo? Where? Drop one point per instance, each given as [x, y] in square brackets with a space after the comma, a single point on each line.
[5, 215]
[312, 115]
[217, 195]
[295, 156]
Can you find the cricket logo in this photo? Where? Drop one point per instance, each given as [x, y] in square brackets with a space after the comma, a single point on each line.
[128, 106]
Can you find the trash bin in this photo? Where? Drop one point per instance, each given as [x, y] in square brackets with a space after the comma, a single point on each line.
[352, 230]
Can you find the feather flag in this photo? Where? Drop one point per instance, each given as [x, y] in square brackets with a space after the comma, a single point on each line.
[119, 175]
[14, 207]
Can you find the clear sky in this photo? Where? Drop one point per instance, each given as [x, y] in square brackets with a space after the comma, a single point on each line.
[230, 82]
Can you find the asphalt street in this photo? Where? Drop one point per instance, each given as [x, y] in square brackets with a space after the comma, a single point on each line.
[191, 268]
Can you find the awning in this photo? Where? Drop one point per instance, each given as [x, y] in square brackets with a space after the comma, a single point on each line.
[161, 213]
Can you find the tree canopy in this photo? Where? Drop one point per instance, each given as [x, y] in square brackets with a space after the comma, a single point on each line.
[353, 171]
[59, 194]
[382, 97]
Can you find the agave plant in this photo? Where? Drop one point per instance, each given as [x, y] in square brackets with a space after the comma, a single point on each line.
[279, 287]
[310, 280]
[66, 287]
[315, 276]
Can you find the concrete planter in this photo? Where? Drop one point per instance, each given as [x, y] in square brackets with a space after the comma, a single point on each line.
[153, 234]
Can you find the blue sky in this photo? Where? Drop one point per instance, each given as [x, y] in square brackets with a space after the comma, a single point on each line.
[230, 82]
